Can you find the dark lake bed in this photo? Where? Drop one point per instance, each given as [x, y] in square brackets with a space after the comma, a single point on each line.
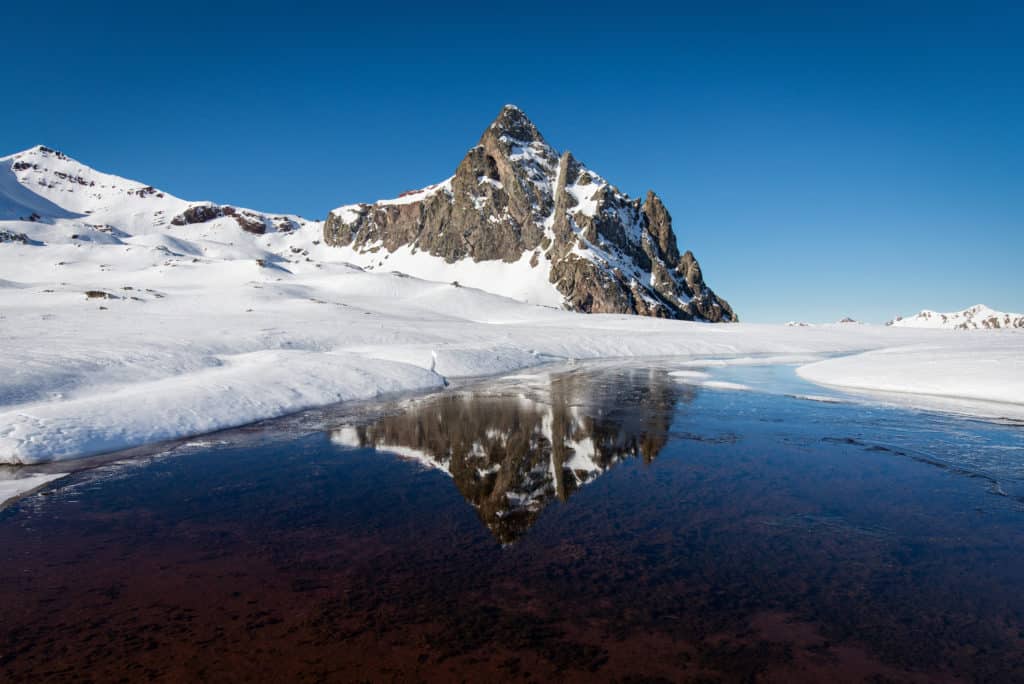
[606, 522]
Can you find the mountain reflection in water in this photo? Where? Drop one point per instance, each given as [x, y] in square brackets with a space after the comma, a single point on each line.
[512, 449]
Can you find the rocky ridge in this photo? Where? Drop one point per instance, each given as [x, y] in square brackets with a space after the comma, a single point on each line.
[977, 317]
[515, 200]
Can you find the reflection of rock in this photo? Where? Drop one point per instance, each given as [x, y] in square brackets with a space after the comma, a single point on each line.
[512, 454]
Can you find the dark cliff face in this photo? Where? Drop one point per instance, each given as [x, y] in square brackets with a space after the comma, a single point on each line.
[514, 195]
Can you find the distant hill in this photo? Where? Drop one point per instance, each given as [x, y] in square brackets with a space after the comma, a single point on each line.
[977, 317]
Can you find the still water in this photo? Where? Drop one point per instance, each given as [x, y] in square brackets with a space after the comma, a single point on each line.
[592, 523]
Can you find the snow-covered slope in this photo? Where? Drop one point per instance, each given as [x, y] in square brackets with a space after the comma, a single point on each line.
[77, 188]
[18, 201]
[51, 198]
[977, 317]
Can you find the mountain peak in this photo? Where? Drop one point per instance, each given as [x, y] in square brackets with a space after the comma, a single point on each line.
[68, 184]
[513, 123]
[35, 150]
[521, 220]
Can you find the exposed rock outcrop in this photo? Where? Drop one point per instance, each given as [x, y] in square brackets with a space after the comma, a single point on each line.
[249, 221]
[11, 236]
[514, 197]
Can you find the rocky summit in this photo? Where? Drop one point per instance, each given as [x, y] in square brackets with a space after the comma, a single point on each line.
[531, 214]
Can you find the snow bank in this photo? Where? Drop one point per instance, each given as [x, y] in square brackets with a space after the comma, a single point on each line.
[246, 388]
[968, 372]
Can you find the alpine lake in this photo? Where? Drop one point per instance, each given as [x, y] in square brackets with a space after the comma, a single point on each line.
[593, 522]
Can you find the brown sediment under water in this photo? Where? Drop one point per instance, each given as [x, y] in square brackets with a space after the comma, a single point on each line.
[591, 524]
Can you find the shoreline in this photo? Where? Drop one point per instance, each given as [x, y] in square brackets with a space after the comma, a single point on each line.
[379, 404]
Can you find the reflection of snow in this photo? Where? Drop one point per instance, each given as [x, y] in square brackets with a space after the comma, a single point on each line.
[346, 436]
[512, 450]
[416, 455]
[722, 384]
[12, 486]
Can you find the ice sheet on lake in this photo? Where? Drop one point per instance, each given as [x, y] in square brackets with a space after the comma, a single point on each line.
[976, 373]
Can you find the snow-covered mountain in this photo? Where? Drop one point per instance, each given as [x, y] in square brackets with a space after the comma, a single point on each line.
[516, 220]
[519, 219]
[977, 317]
[49, 197]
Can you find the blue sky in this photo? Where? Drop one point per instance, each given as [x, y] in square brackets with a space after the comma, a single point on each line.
[820, 162]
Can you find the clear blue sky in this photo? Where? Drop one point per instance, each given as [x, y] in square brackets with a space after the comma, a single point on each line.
[820, 162]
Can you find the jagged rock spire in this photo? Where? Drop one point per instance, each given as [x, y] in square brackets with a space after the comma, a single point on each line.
[514, 197]
[513, 123]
